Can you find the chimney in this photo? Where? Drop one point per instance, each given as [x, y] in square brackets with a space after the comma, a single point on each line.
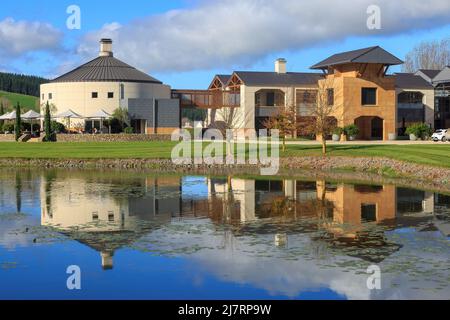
[106, 48]
[280, 65]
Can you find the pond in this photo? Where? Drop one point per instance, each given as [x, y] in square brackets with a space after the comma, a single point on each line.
[137, 235]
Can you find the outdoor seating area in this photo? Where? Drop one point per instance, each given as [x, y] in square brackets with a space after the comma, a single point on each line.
[32, 123]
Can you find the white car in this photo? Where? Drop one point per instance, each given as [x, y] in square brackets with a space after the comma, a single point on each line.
[441, 135]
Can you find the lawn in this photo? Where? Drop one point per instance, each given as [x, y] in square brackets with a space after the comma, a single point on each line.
[432, 154]
[27, 102]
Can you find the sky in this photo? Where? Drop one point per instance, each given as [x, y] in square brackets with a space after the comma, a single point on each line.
[185, 42]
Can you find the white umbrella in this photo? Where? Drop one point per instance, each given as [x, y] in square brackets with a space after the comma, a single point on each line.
[101, 115]
[31, 115]
[69, 114]
[9, 116]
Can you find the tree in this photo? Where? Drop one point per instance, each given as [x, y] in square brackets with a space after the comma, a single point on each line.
[47, 123]
[323, 122]
[2, 111]
[230, 119]
[428, 55]
[285, 121]
[18, 123]
[121, 114]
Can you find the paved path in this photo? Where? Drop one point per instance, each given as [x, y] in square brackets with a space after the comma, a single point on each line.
[364, 142]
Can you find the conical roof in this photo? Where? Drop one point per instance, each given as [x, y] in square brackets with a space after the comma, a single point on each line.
[108, 69]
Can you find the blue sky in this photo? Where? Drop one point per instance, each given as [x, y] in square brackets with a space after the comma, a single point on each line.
[184, 43]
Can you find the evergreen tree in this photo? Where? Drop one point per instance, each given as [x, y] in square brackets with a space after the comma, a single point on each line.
[18, 124]
[2, 111]
[47, 123]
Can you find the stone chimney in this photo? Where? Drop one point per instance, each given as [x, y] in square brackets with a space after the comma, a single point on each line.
[106, 48]
[280, 65]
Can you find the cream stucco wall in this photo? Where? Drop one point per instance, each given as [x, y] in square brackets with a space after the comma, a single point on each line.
[77, 96]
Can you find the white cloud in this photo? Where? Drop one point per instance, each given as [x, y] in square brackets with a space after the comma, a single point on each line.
[229, 32]
[21, 37]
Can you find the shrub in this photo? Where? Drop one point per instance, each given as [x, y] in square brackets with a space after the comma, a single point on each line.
[420, 130]
[338, 131]
[58, 127]
[8, 127]
[128, 130]
[351, 130]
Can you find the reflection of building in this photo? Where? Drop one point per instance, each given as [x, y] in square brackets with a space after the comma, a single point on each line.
[103, 215]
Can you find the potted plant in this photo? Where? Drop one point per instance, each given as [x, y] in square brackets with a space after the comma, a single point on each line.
[337, 132]
[418, 131]
[351, 131]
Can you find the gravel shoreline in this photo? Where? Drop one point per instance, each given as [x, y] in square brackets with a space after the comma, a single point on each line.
[360, 168]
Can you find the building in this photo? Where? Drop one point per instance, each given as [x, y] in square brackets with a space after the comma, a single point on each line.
[382, 105]
[106, 84]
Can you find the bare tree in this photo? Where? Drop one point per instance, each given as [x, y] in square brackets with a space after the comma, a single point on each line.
[322, 116]
[228, 118]
[428, 55]
[285, 121]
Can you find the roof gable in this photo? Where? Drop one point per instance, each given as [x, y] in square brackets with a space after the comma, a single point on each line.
[443, 76]
[366, 55]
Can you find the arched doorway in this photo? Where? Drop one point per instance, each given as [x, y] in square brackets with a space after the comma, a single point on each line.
[370, 127]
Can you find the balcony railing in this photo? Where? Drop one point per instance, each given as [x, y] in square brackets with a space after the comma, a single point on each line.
[207, 99]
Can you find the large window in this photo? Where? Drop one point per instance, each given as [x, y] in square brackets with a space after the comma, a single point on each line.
[306, 101]
[369, 96]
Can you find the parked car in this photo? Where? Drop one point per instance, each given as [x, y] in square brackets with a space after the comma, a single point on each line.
[441, 135]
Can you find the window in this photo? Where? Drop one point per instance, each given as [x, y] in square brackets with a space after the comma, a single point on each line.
[50, 96]
[369, 212]
[110, 95]
[43, 96]
[330, 97]
[122, 92]
[94, 95]
[369, 96]
[270, 99]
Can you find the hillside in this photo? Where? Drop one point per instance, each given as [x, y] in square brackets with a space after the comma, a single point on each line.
[9, 100]
[19, 83]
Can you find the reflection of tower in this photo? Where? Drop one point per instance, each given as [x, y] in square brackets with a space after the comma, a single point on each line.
[107, 260]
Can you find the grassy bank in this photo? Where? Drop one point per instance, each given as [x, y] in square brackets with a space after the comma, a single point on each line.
[434, 154]
[27, 102]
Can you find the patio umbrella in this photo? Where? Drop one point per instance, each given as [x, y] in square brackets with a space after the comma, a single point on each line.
[31, 115]
[69, 114]
[9, 116]
[100, 115]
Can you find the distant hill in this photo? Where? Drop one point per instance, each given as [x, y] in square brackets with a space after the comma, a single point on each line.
[26, 102]
[22, 84]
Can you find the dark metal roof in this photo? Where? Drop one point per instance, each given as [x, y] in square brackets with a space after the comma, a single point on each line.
[108, 69]
[411, 81]
[366, 55]
[278, 79]
[430, 73]
[224, 78]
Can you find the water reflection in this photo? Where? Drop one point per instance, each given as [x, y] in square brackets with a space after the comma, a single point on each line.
[308, 233]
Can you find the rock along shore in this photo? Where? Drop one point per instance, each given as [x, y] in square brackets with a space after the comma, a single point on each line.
[353, 168]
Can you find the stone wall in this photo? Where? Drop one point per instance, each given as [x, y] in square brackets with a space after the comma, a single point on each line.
[6, 138]
[111, 137]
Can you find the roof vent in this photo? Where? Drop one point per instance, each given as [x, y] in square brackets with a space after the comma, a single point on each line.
[106, 48]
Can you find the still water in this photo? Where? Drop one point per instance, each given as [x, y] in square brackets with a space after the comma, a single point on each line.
[141, 236]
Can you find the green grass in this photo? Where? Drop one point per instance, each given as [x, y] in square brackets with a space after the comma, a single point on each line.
[433, 154]
[27, 102]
